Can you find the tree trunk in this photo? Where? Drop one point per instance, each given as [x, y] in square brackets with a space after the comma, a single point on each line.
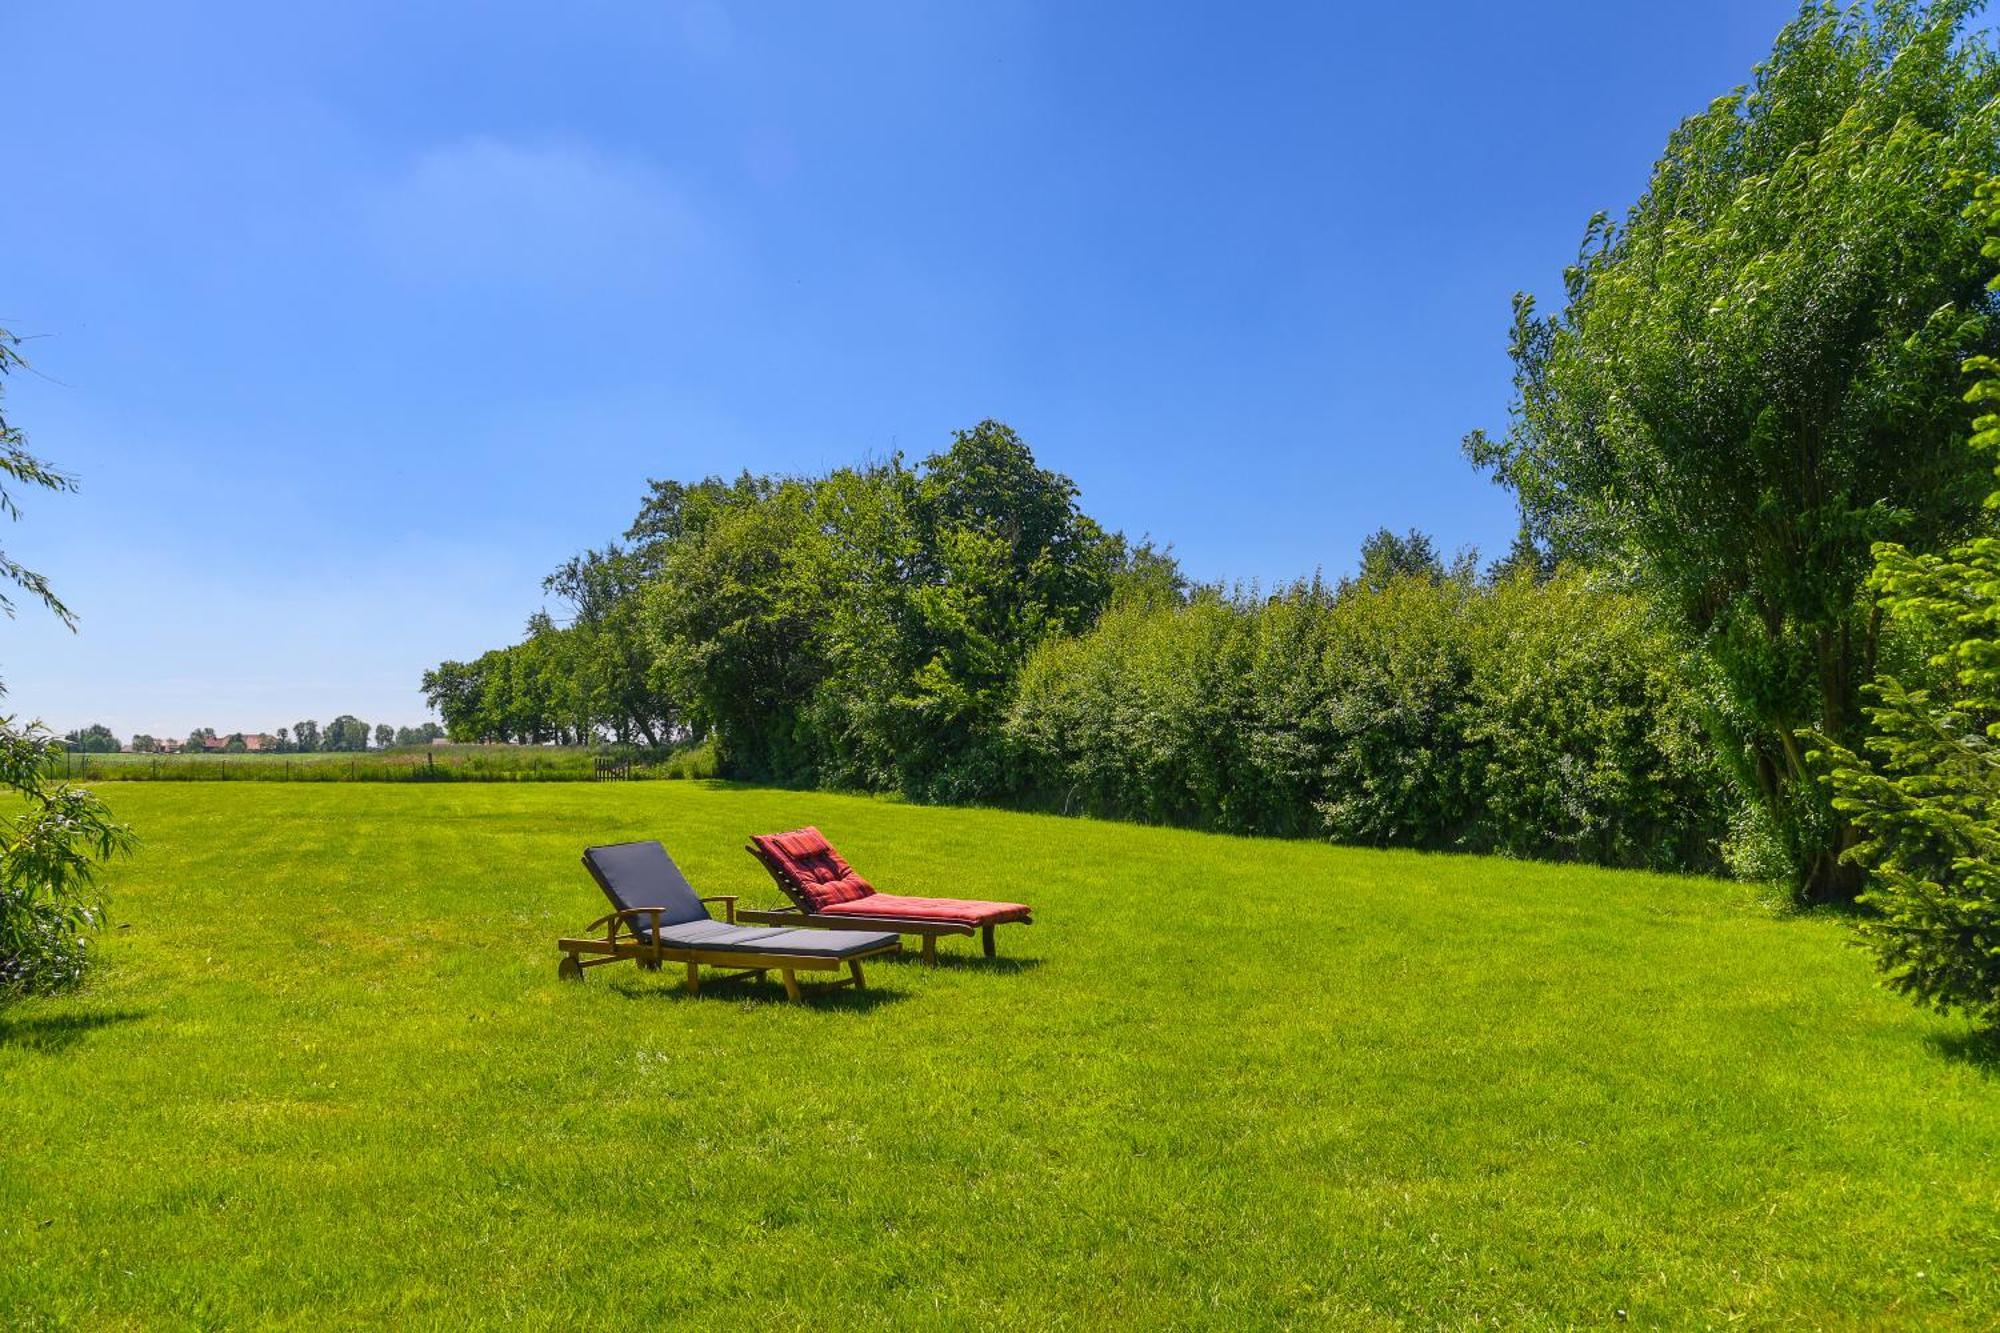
[1829, 881]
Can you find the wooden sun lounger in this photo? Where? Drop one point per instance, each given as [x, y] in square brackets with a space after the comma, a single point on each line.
[666, 922]
[789, 857]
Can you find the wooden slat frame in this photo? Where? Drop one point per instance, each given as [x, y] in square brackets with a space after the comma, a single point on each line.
[637, 949]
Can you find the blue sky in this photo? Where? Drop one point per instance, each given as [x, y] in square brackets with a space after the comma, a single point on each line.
[356, 319]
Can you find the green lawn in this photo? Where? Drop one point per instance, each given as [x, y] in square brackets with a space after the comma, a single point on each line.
[326, 1074]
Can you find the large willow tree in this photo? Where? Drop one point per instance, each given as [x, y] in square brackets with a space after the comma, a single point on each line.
[1754, 378]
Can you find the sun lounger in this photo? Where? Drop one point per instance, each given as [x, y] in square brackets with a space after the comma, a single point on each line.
[665, 922]
[826, 893]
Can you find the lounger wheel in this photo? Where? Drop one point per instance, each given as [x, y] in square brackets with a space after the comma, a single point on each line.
[570, 968]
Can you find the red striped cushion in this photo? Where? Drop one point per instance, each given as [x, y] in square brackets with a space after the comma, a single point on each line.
[814, 868]
[966, 911]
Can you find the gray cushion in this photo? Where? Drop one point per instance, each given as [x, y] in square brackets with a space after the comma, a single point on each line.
[641, 874]
[722, 938]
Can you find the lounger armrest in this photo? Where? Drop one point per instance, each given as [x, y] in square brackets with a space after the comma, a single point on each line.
[619, 917]
[728, 901]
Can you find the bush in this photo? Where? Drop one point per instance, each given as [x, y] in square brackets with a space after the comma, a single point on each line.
[1536, 719]
[48, 856]
[1588, 731]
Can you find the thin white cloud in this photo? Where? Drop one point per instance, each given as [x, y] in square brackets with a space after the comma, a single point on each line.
[544, 213]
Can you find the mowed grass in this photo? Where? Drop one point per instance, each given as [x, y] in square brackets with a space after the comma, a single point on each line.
[326, 1074]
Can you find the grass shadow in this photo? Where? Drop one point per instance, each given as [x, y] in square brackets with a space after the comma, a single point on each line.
[768, 991]
[1970, 1046]
[58, 1032]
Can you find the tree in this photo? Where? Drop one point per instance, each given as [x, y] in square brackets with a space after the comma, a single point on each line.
[305, 735]
[93, 739]
[1754, 379]
[19, 467]
[671, 510]
[735, 617]
[144, 744]
[1004, 559]
[198, 738]
[284, 739]
[385, 735]
[607, 640]
[1925, 787]
[1149, 576]
[55, 835]
[1385, 557]
[1526, 557]
[235, 744]
[345, 733]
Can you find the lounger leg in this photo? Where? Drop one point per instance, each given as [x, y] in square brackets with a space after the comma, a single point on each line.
[791, 983]
[930, 951]
[986, 939]
[694, 979]
[854, 967]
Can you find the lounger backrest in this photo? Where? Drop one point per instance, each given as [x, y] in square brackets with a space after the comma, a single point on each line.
[808, 869]
[641, 874]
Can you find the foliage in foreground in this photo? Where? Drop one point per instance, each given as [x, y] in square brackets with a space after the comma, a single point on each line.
[1544, 719]
[1754, 378]
[49, 849]
[1925, 788]
[49, 855]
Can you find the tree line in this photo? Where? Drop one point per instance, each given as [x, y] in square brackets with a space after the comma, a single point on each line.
[961, 630]
[859, 629]
[345, 734]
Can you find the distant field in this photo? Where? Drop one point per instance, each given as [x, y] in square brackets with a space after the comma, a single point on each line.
[327, 1076]
[501, 763]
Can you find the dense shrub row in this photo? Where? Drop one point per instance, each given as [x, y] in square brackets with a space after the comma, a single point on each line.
[1543, 719]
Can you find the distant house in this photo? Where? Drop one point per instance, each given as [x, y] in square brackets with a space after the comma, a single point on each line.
[252, 742]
